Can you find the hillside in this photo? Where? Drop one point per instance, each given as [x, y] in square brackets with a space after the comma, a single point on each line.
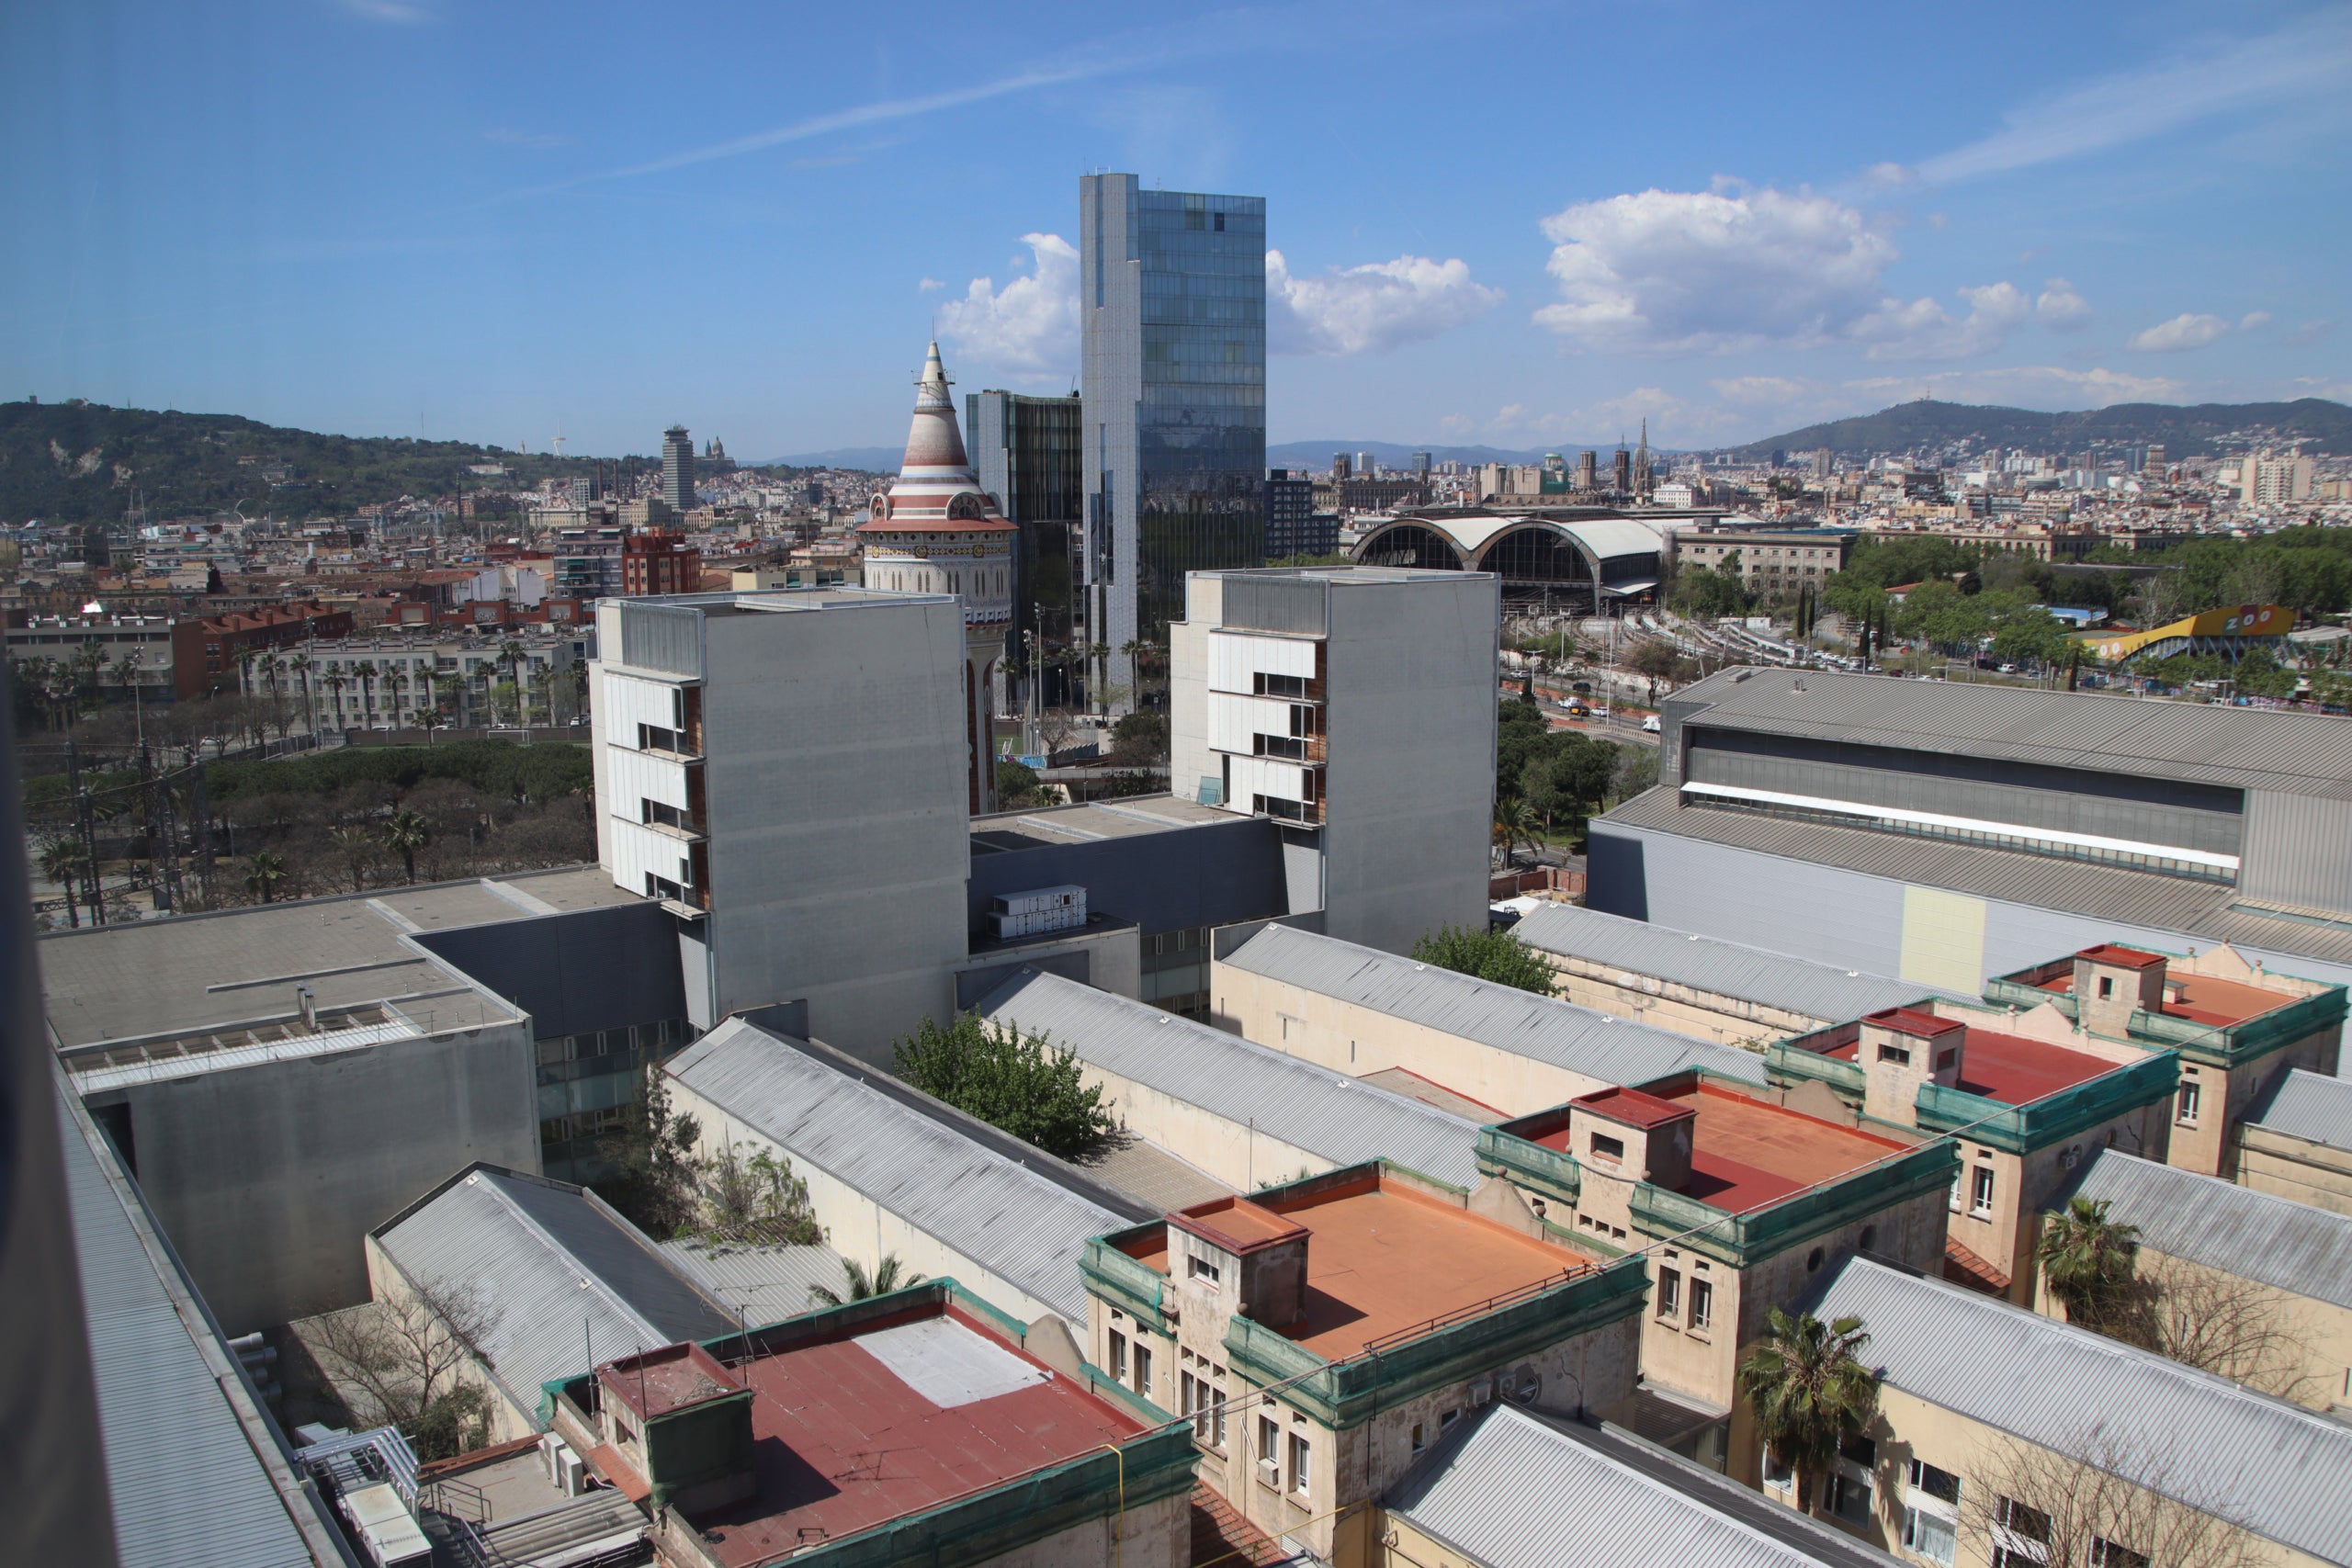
[2196, 431]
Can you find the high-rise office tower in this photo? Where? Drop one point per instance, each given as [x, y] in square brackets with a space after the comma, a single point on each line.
[1421, 466]
[1026, 452]
[1342, 465]
[1368, 466]
[1172, 289]
[678, 469]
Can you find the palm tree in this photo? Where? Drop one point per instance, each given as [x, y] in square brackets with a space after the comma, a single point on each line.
[405, 834]
[1514, 825]
[397, 678]
[62, 861]
[2087, 1261]
[510, 655]
[1810, 1394]
[887, 1277]
[265, 870]
[354, 843]
[301, 665]
[334, 682]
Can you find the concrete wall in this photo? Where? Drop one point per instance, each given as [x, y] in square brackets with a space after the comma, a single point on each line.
[1357, 1040]
[2295, 1168]
[1244, 1158]
[1213, 875]
[267, 1177]
[1702, 1015]
[840, 843]
[513, 1412]
[580, 970]
[1411, 716]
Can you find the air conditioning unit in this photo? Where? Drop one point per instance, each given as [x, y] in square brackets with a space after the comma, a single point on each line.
[1481, 1392]
[1270, 1470]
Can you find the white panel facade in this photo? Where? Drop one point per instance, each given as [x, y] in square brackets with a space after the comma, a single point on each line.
[1233, 720]
[630, 702]
[632, 777]
[1267, 775]
[1235, 660]
[638, 849]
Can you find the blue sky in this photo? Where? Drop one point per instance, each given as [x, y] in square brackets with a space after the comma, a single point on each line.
[1519, 224]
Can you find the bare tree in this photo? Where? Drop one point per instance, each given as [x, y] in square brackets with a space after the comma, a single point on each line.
[400, 1363]
[2103, 1502]
[2224, 1323]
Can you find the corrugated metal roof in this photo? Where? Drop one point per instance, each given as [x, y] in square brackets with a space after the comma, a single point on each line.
[2312, 1106]
[766, 1282]
[2280, 1469]
[2137, 898]
[1519, 1491]
[1325, 1112]
[1544, 1028]
[565, 1276]
[2240, 747]
[2223, 1226]
[187, 1486]
[1706, 963]
[1017, 1223]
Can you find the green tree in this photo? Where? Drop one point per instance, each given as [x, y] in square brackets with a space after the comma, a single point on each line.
[2088, 1261]
[1141, 737]
[756, 1199]
[355, 845]
[265, 869]
[857, 1285]
[1570, 773]
[1017, 785]
[1520, 732]
[1810, 1392]
[1488, 954]
[64, 862]
[406, 832]
[656, 1174]
[1515, 823]
[1008, 1078]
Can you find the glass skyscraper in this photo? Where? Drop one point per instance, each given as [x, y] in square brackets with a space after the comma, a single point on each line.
[1173, 301]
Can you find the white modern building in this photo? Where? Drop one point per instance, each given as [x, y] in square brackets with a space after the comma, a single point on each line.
[787, 771]
[1355, 707]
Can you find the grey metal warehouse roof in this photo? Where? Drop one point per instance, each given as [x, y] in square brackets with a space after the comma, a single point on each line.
[2223, 1226]
[1706, 963]
[1547, 1030]
[2310, 1106]
[2278, 1468]
[1510, 1489]
[1020, 1224]
[2142, 900]
[2239, 748]
[188, 1484]
[1308, 1107]
[565, 1275]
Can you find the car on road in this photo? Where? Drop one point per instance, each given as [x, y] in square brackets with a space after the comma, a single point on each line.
[1650, 725]
[1578, 710]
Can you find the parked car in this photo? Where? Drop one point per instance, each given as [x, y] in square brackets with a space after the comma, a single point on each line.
[1650, 725]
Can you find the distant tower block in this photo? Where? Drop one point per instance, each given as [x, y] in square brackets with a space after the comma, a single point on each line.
[678, 469]
[935, 530]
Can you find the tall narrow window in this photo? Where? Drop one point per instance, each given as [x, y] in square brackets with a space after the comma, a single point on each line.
[1980, 1196]
[1703, 1303]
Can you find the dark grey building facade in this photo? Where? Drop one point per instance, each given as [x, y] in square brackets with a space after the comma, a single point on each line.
[1028, 454]
[678, 469]
[1173, 291]
[1292, 526]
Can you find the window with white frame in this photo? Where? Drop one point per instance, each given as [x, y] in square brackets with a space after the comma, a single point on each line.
[1202, 1270]
[2105, 1553]
[2020, 1535]
[1980, 1191]
[1932, 1512]
[1299, 1466]
[1703, 1305]
[2190, 1093]
[1118, 1357]
[1669, 1293]
[1143, 1369]
[1269, 1464]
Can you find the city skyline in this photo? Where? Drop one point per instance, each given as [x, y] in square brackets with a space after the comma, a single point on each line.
[402, 219]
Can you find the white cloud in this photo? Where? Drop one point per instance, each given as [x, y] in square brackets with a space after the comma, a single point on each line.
[1925, 329]
[2033, 386]
[2187, 329]
[1713, 271]
[2308, 332]
[393, 11]
[1031, 324]
[2061, 308]
[2310, 57]
[1365, 309]
[1753, 390]
[2254, 320]
[929, 285]
[1455, 424]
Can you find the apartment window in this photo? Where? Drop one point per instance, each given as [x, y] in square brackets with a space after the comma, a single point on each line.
[1608, 1148]
[2190, 1094]
[1778, 1471]
[1143, 1369]
[1279, 685]
[1703, 1305]
[1203, 1401]
[1898, 1055]
[1270, 1437]
[1216, 1408]
[1298, 1465]
[1979, 1193]
[1849, 1499]
[1118, 1357]
[2106, 987]
[1669, 1293]
[1420, 1436]
[1204, 1271]
[1930, 1512]
[1445, 1422]
[2105, 1553]
[2020, 1523]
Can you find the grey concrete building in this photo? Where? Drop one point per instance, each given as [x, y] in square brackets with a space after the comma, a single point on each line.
[1949, 833]
[1353, 707]
[1173, 307]
[677, 469]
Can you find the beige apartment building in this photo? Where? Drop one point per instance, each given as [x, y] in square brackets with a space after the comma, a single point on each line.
[1362, 1011]
[2265, 1281]
[1775, 563]
[2237, 1027]
[1323, 1335]
[2023, 1109]
[2000, 1430]
[1738, 1201]
[2297, 1142]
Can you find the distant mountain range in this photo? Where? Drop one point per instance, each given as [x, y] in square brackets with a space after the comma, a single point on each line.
[1315, 457]
[2195, 431]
